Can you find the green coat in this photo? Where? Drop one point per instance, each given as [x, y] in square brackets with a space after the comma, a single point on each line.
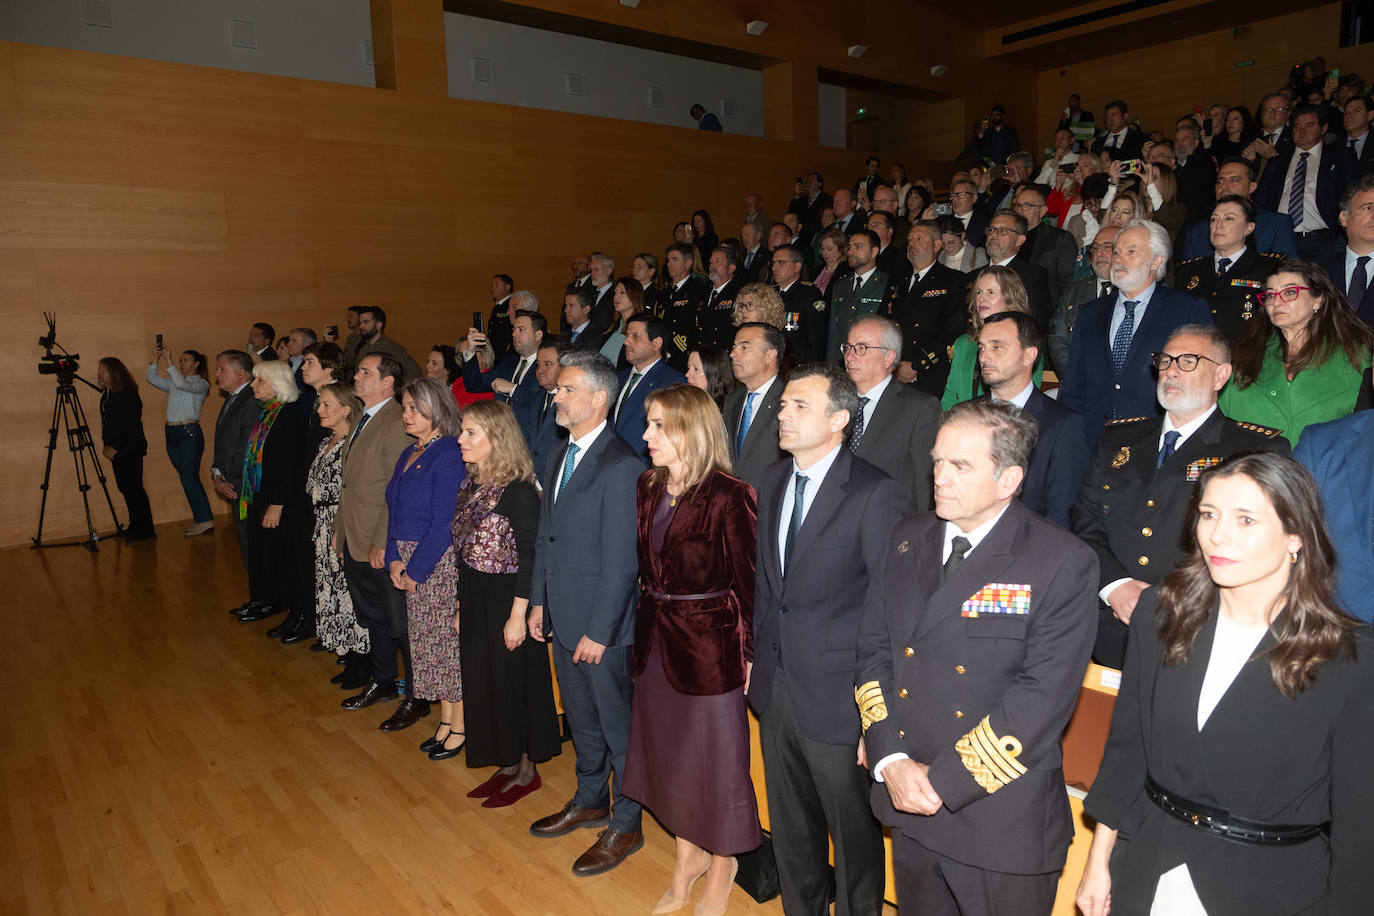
[1315, 395]
[962, 361]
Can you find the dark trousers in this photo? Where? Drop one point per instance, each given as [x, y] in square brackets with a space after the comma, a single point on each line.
[381, 608]
[929, 884]
[128, 475]
[817, 790]
[240, 531]
[596, 700]
[185, 446]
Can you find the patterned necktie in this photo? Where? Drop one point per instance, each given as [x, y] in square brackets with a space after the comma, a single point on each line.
[858, 426]
[958, 548]
[1359, 282]
[1295, 193]
[1167, 451]
[745, 419]
[1121, 344]
[634, 380]
[520, 371]
[1223, 264]
[794, 526]
[568, 464]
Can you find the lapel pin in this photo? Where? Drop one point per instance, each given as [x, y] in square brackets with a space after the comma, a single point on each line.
[904, 546]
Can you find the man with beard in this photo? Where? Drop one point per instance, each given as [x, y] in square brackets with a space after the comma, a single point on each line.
[1133, 507]
[715, 324]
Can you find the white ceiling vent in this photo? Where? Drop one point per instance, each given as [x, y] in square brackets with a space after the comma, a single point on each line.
[367, 53]
[727, 109]
[243, 33]
[657, 97]
[482, 70]
[574, 85]
[98, 13]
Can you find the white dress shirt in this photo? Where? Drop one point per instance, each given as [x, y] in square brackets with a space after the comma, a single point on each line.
[874, 395]
[1311, 219]
[815, 476]
[582, 443]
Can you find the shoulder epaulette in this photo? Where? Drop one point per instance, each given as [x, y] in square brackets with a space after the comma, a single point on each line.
[1191, 260]
[806, 283]
[1276, 255]
[1122, 421]
[1267, 432]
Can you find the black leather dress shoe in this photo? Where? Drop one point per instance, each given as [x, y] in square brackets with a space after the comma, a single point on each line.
[318, 646]
[303, 630]
[407, 714]
[133, 537]
[259, 612]
[287, 626]
[243, 608]
[374, 693]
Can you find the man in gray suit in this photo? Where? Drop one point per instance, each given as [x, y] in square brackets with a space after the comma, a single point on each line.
[751, 411]
[237, 416]
[584, 593]
[895, 425]
[1081, 292]
[1049, 246]
[855, 296]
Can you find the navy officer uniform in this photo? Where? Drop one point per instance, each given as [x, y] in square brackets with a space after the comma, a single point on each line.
[806, 322]
[932, 312]
[1230, 290]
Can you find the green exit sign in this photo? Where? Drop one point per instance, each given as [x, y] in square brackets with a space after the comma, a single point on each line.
[862, 113]
[1245, 63]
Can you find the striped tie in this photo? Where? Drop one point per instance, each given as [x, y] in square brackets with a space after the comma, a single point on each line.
[1121, 344]
[1295, 194]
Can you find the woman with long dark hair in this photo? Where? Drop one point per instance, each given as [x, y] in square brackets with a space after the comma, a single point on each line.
[1239, 130]
[704, 232]
[1235, 779]
[121, 434]
[187, 386]
[442, 365]
[709, 369]
[627, 298]
[1304, 359]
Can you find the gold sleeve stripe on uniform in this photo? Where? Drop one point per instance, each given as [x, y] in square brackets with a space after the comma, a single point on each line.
[990, 759]
[872, 706]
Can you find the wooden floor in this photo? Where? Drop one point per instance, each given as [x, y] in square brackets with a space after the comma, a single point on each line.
[157, 756]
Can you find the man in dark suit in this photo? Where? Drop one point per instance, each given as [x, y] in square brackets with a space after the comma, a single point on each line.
[512, 372]
[1000, 139]
[1306, 183]
[976, 632]
[1338, 455]
[963, 199]
[577, 313]
[1121, 139]
[870, 180]
[716, 322]
[1273, 232]
[234, 424]
[1047, 246]
[755, 254]
[684, 299]
[824, 517]
[1079, 293]
[1006, 239]
[502, 317]
[1351, 268]
[848, 217]
[644, 337]
[262, 342]
[1133, 506]
[1109, 358]
[809, 200]
[296, 342]
[1275, 137]
[751, 410]
[583, 592]
[542, 433]
[1195, 172]
[603, 288]
[1008, 346]
[891, 254]
[894, 426]
[1356, 117]
[927, 303]
[852, 297]
[806, 318]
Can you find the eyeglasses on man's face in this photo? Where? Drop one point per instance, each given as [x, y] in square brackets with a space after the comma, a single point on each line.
[1186, 361]
[859, 349]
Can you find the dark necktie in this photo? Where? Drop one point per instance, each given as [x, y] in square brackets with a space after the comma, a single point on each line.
[858, 426]
[1223, 264]
[1121, 344]
[1296, 192]
[858, 281]
[1105, 287]
[520, 371]
[794, 526]
[958, 548]
[1167, 451]
[544, 410]
[569, 465]
[634, 380]
[1359, 282]
[361, 424]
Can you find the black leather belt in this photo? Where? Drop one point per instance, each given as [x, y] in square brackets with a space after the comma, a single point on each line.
[662, 596]
[1312, 233]
[1226, 825]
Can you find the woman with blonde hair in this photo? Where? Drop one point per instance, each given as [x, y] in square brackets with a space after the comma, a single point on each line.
[688, 760]
[759, 302]
[995, 289]
[273, 501]
[508, 691]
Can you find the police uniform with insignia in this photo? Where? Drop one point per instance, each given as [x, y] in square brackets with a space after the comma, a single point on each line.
[806, 321]
[682, 306]
[851, 300]
[1233, 296]
[1134, 515]
[974, 671]
[932, 314]
[716, 320]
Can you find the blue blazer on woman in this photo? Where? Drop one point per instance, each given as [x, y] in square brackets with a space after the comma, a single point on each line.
[1338, 455]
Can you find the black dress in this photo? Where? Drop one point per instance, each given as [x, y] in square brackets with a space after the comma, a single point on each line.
[507, 696]
[281, 560]
[121, 428]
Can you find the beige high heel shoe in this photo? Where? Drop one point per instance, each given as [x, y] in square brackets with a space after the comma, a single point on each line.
[718, 909]
[670, 904]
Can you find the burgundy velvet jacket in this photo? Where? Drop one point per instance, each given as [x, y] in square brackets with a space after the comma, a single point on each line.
[709, 547]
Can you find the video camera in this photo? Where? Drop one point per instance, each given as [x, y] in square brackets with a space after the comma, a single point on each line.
[64, 365]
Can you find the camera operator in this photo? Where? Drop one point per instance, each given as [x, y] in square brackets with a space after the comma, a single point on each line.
[121, 432]
[187, 386]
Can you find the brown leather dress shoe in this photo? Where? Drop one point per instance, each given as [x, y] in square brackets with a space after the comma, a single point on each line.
[610, 849]
[569, 819]
[407, 714]
[372, 694]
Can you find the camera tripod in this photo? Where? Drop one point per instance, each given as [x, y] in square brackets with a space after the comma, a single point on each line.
[67, 410]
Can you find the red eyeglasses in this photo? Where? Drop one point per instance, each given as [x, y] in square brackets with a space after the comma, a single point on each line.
[1287, 294]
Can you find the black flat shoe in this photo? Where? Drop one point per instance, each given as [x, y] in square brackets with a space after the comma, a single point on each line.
[444, 752]
[433, 741]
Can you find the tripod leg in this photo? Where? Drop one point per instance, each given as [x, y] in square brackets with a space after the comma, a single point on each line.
[47, 468]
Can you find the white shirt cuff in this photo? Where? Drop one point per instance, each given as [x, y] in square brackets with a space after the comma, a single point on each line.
[878, 767]
[1110, 587]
